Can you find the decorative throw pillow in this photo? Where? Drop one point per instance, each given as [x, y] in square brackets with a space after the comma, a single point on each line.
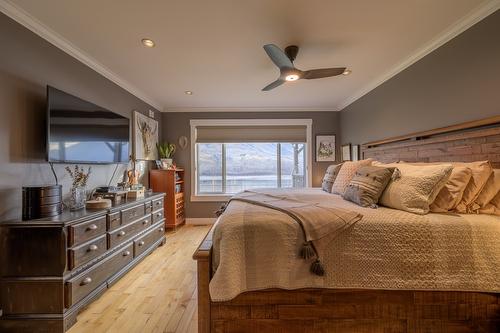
[490, 190]
[481, 171]
[452, 192]
[367, 185]
[346, 173]
[330, 175]
[493, 207]
[413, 188]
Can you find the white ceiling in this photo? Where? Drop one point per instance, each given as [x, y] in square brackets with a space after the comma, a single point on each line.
[214, 48]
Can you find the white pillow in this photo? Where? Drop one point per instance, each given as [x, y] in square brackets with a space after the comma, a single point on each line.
[414, 188]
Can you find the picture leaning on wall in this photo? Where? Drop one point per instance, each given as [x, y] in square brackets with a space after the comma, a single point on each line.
[145, 137]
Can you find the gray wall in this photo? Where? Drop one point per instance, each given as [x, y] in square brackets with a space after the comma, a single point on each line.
[177, 124]
[458, 82]
[27, 64]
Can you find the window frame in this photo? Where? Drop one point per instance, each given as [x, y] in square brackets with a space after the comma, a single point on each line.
[194, 123]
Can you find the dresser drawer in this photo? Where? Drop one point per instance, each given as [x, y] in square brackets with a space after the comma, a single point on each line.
[157, 204]
[82, 232]
[142, 243]
[157, 216]
[81, 285]
[148, 207]
[84, 253]
[127, 232]
[131, 214]
[114, 221]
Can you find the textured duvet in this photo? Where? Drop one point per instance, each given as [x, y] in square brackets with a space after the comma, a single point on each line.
[258, 248]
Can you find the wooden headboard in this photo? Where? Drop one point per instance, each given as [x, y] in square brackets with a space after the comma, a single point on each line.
[472, 141]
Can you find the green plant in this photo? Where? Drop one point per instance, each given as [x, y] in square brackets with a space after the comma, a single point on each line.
[166, 150]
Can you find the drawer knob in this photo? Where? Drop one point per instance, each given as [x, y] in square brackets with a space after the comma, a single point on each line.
[86, 281]
[121, 233]
[92, 227]
[141, 243]
[93, 247]
[161, 229]
[126, 253]
[145, 222]
[158, 215]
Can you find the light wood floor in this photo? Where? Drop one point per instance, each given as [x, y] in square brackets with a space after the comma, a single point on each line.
[158, 295]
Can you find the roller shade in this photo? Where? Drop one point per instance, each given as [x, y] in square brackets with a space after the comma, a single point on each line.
[237, 134]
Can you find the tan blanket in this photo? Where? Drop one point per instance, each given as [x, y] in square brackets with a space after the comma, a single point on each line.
[257, 248]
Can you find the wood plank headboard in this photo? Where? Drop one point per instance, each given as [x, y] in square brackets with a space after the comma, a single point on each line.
[472, 141]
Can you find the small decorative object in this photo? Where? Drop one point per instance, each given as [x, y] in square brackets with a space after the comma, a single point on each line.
[325, 148]
[134, 194]
[183, 142]
[98, 203]
[133, 174]
[158, 164]
[78, 193]
[41, 201]
[116, 196]
[166, 151]
[145, 137]
[355, 152]
[346, 152]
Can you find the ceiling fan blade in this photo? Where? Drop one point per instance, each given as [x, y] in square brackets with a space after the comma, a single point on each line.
[273, 85]
[322, 72]
[278, 56]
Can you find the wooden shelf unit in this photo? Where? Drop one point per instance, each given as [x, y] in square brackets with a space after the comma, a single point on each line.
[172, 183]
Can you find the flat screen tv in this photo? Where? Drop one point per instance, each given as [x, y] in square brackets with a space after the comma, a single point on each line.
[82, 132]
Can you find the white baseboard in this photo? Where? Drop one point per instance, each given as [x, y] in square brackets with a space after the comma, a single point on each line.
[200, 220]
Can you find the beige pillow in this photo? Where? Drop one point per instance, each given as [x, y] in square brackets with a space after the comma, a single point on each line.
[330, 175]
[346, 173]
[452, 192]
[416, 187]
[490, 190]
[481, 171]
[493, 207]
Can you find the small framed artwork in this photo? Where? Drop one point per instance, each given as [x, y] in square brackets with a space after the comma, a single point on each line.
[325, 148]
[145, 137]
[346, 152]
[355, 152]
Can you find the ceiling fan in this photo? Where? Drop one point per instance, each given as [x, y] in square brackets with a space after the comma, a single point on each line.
[288, 72]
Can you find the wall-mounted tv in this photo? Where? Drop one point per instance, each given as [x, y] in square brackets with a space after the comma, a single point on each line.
[82, 132]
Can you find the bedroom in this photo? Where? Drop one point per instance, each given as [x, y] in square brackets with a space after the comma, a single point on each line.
[322, 205]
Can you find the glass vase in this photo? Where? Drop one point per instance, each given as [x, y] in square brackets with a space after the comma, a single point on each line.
[77, 198]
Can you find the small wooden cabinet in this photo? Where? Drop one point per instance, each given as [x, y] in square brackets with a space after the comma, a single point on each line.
[170, 182]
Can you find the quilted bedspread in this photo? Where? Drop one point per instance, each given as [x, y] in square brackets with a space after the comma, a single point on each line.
[258, 248]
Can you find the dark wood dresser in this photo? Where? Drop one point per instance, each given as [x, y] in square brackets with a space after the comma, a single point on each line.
[51, 268]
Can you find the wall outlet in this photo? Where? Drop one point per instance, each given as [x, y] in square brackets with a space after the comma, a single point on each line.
[151, 114]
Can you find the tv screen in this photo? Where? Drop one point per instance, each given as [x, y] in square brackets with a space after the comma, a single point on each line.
[81, 132]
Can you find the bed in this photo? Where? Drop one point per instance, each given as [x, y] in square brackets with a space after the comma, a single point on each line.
[390, 272]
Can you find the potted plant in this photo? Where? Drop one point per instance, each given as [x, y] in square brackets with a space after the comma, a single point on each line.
[166, 151]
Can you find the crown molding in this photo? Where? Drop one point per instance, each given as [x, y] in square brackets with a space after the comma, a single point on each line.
[248, 109]
[28, 21]
[457, 28]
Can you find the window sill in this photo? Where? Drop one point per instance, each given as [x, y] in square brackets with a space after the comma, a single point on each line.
[210, 198]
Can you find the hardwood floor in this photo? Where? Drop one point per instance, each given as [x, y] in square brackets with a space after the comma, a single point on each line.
[158, 295]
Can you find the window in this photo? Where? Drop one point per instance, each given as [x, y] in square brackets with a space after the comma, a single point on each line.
[230, 156]
[228, 168]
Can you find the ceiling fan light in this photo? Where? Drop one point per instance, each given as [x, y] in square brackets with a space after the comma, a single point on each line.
[292, 77]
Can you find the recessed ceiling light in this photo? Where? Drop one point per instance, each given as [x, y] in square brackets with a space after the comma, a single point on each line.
[347, 72]
[188, 92]
[148, 42]
[292, 77]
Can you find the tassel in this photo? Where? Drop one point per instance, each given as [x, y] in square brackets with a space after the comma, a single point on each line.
[220, 210]
[317, 268]
[307, 251]
[396, 174]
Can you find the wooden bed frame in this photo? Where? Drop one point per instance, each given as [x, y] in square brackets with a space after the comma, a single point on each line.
[360, 311]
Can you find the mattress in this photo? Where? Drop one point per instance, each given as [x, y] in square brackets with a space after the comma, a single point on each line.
[257, 248]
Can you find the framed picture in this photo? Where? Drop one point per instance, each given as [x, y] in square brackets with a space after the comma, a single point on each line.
[325, 148]
[355, 152]
[145, 137]
[346, 152]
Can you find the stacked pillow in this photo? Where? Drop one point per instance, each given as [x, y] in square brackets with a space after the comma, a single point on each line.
[346, 173]
[330, 176]
[488, 200]
[414, 188]
[367, 185]
[481, 172]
